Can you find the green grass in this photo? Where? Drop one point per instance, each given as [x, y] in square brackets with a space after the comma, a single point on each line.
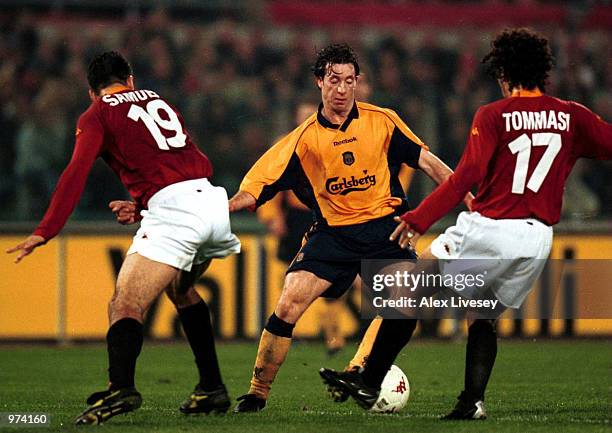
[557, 386]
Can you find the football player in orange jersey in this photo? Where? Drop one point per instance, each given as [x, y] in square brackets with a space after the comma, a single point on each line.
[343, 162]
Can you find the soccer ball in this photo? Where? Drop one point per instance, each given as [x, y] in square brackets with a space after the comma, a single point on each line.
[394, 392]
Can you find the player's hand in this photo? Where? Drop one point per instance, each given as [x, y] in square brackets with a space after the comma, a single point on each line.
[125, 211]
[242, 200]
[26, 247]
[407, 236]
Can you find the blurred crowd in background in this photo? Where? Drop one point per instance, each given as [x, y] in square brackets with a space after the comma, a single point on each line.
[237, 85]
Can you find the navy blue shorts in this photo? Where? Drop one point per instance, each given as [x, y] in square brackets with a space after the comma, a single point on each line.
[335, 253]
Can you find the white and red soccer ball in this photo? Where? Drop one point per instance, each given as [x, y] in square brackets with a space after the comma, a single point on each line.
[394, 392]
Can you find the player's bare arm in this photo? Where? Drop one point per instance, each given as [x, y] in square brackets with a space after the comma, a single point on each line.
[438, 171]
[242, 200]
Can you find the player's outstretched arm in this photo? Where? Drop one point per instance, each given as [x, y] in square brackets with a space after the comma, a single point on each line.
[26, 247]
[438, 171]
[433, 167]
[242, 200]
[126, 211]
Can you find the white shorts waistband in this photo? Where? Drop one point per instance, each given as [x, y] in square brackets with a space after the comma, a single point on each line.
[179, 188]
[509, 220]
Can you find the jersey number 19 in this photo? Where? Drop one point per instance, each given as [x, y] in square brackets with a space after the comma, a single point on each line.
[153, 121]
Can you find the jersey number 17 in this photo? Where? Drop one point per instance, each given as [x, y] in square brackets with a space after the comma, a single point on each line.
[522, 147]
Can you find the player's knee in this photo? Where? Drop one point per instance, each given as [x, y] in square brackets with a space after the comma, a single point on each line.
[293, 301]
[289, 308]
[278, 326]
[473, 316]
[124, 303]
[119, 303]
[119, 309]
[182, 299]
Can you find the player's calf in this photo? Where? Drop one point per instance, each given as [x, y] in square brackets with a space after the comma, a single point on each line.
[273, 348]
[197, 326]
[301, 289]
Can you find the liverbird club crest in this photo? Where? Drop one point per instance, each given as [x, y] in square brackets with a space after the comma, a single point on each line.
[348, 158]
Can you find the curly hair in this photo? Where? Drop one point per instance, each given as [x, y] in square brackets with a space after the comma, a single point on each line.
[107, 68]
[335, 54]
[521, 57]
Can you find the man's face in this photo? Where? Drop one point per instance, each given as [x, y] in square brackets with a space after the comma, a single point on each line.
[338, 87]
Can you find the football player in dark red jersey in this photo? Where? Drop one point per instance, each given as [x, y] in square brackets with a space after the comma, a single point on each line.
[519, 152]
[184, 225]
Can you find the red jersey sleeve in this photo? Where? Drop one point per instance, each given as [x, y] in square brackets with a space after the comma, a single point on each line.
[88, 146]
[593, 134]
[471, 170]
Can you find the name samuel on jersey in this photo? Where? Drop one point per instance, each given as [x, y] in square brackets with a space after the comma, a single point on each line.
[134, 96]
[345, 186]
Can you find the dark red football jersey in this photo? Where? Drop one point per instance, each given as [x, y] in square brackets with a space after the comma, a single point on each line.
[141, 137]
[520, 151]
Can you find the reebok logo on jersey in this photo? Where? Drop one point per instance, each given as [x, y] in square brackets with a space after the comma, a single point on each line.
[345, 186]
[475, 130]
[77, 132]
[345, 141]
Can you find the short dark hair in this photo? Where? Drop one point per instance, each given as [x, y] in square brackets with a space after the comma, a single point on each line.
[335, 54]
[521, 57]
[107, 68]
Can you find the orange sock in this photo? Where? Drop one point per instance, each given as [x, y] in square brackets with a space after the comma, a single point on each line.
[271, 354]
[365, 347]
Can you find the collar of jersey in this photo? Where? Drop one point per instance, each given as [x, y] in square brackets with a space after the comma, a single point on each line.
[353, 114]
[115, 88]
[527, 93]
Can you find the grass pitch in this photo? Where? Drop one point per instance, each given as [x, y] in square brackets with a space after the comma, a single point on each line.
[545, 386]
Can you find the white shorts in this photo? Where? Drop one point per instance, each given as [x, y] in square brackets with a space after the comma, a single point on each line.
[187, 223]
[510, 253]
